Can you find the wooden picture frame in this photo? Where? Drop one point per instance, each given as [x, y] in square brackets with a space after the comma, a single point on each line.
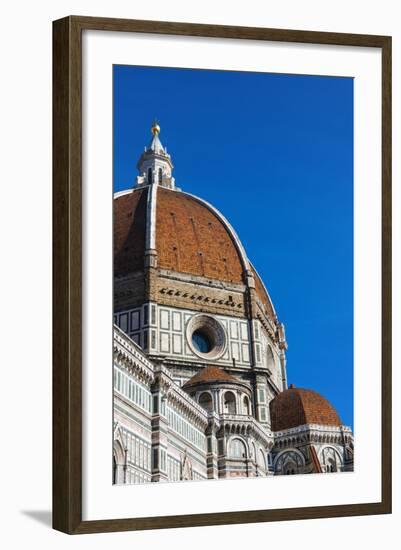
[67, 274]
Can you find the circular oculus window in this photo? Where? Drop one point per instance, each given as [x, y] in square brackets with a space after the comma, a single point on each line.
[206, 337]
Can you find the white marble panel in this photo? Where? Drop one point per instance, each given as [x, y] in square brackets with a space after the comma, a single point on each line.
[234, 329]
[165, 342]
[244, 331]
[235, 351]
[177, 343]
[176, 320]
[245, 353]
[164, 319]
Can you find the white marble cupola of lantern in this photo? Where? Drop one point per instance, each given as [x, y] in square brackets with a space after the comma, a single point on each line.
[155, 166]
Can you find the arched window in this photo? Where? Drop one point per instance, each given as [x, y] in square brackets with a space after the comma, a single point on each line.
[247, 405]
[261, 459]
[331, 459]
[289, 463]
[118, 463]
[205, 401]
[270, 363]
[160, 175]
[150, 175]
[237, 448]
[229, 403]
[115, 480]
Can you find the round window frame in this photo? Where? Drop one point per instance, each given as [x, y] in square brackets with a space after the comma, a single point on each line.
[214, 331]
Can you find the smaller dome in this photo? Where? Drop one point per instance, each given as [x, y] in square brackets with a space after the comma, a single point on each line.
[210, 375]
[297, 406]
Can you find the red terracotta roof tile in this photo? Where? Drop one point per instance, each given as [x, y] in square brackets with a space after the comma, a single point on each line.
[192, 239]
[297, 406]
[210, 374]
[129, 228]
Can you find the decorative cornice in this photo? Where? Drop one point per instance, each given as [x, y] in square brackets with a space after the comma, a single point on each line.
[200, 297]
[128, 355]
[267, 324]
[313, 433]
[221, 385]
[179, 399]
[201, 280]
[246, 425]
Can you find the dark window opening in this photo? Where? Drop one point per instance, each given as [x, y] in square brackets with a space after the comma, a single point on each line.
[201, 342]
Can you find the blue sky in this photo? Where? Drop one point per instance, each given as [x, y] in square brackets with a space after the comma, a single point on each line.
[274, 153]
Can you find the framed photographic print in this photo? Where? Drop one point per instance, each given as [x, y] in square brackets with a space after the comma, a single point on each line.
[222, 275]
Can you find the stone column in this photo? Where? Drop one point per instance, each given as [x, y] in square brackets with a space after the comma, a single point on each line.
[222, 452]
[159, 435]
[212, 450]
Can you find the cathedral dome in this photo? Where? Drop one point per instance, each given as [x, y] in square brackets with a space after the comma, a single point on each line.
[190, 237]
[158, 225]
[210, 375]
[297, 406]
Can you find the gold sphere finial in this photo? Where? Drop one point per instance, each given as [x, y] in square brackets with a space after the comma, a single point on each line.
[155, 128]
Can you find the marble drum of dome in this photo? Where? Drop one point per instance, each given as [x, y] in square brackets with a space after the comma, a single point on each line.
[206, 337]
